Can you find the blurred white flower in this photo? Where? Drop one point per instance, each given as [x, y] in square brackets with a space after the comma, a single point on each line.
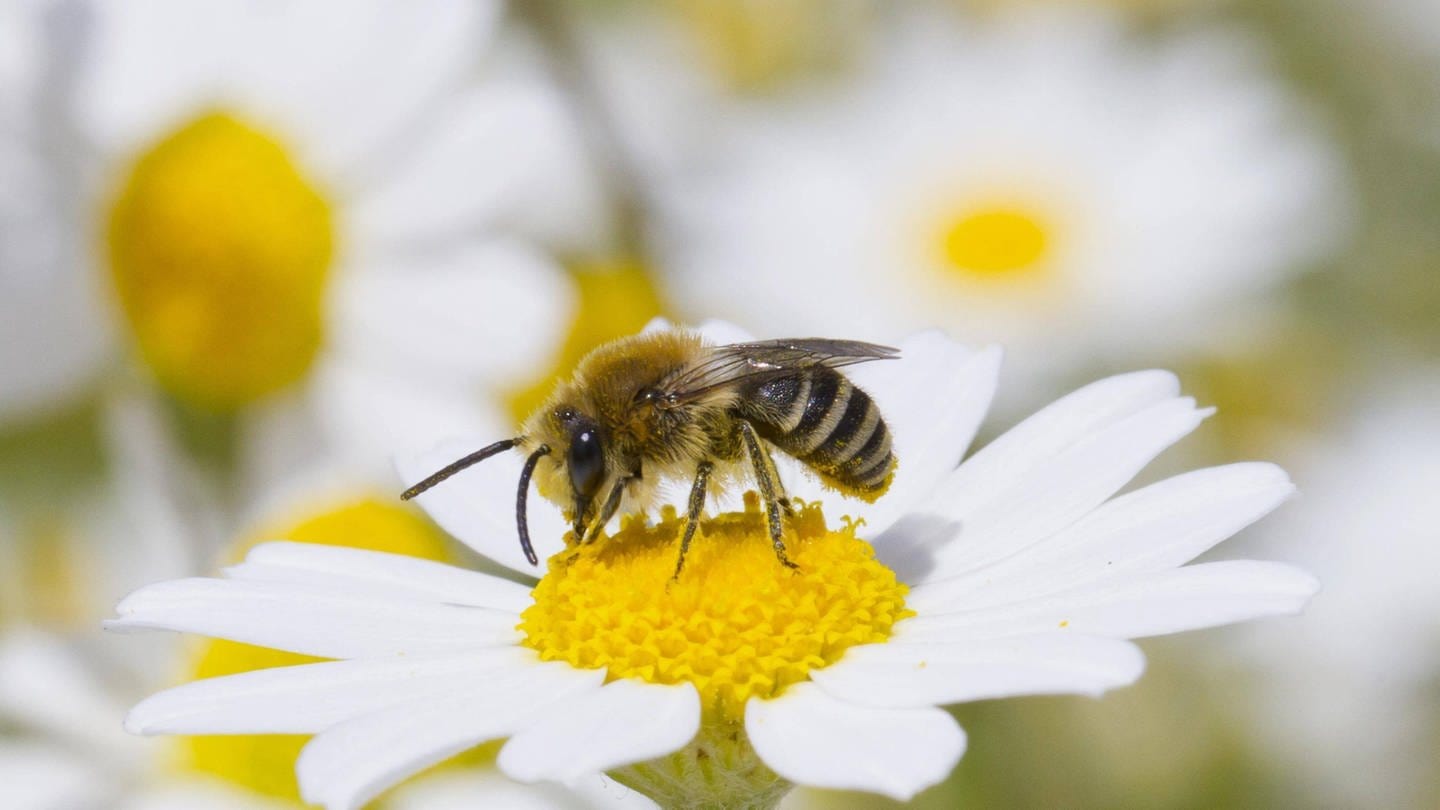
[54, 332]
[1049, 181]
[64, 693]
[67, 700]
[1369, 529]
[1017, 573]
[329, 214]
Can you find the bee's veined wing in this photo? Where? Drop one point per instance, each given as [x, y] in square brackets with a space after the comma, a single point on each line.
[737, 362]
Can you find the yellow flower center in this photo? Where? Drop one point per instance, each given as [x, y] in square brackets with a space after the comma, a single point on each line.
[754, 46]
[220, 248]
[265, 763]
[995, 242]
[736, 623]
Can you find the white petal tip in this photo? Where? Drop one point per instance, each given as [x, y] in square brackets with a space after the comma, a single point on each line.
[135, 725]
[1161, 381]
[659, 323]
[1305, 586]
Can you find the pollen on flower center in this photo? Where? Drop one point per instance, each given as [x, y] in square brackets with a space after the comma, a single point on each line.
[736, 623]
[994, 241]
[220, 249]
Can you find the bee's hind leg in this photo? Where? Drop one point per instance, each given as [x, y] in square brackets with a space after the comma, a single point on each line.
[781, 497]
[770, 492]
[692, 513]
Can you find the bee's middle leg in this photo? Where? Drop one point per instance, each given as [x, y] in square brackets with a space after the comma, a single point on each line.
[692, 514]
[764, 466]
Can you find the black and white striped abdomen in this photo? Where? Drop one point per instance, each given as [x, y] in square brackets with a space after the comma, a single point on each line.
[822, 419]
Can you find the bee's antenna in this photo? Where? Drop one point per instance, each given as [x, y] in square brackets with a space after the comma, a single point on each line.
[456, 466]
[521, 522]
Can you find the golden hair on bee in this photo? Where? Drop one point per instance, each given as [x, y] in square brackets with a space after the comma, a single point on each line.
[666, 405]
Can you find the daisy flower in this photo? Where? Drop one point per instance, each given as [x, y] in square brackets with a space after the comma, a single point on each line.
[332, 213]
[63, 696]
[1047, 181]
[1018, 572]
[45, 304]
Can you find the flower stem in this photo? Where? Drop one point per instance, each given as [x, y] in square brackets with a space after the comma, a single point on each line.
[718, 770]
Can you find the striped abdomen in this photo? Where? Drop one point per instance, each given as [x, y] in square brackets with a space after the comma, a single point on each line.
[822, 419]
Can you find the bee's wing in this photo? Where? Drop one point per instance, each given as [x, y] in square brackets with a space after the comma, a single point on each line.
[744, 362]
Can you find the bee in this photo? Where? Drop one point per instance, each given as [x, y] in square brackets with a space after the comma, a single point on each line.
[665, 406]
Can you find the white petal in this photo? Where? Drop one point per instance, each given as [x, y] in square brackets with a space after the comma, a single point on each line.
[187, 791]
[350, 763]
[470, 169]
[1063, 490]
[50, 305]
[475, 787]
[624, 722]
[1002, 463]
[1146, 604]
[150, 63]
[310, 698]
[814, 739]
[1161, 526]
[478, 505]
[659, 323]
[482, 315]
[42, 777]
[387, 574]
[312, 620]
[353, 86]
[49, 688]
[900, 674]
[714, 330]
[721, 332]
[368, 412]
[933, 399]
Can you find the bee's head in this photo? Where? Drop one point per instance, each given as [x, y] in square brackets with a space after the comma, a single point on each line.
[577, 466]
[574, 445]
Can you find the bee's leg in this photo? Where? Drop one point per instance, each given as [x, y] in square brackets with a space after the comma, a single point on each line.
[607, 511]
[777, 486]
[692, 515]
[760, 459]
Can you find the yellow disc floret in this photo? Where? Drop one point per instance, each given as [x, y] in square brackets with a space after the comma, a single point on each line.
[991, 242]
[265, 763]
[220, 249]
[736, 623]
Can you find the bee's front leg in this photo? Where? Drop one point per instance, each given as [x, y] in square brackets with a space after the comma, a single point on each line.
[607, 511]
[692, 514]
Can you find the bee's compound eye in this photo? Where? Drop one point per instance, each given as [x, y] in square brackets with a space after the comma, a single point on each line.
[586, 462]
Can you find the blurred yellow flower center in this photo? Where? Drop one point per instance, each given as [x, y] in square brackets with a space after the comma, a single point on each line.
[756, 45]
[736, 623]
[265, 763]
[992, 242]
[220, 249]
